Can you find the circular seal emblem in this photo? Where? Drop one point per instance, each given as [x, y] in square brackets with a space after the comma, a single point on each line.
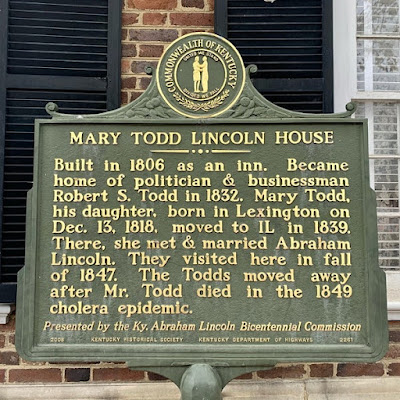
[200, 75]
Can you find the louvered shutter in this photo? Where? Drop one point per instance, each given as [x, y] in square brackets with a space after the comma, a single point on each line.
[67, 52]
[290, 41]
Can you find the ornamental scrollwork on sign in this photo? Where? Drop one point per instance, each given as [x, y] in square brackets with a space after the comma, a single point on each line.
[153, 108]
[251, 107]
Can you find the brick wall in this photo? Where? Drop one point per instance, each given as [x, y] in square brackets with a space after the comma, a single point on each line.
[148, 27]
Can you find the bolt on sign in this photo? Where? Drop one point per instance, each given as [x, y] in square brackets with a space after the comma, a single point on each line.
[201, 224]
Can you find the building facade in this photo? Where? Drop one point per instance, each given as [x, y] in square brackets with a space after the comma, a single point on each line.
[312, 58]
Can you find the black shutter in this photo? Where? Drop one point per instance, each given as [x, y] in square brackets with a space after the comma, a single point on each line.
[290, 41]
[62, 51]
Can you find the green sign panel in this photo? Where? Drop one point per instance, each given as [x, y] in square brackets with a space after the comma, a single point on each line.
[201, 224]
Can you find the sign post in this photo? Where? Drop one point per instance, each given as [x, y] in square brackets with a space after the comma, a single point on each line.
[201, 232]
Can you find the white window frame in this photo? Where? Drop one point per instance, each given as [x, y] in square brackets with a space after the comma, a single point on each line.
[345, 90]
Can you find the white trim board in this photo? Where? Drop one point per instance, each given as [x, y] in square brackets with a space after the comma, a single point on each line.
[393, 295]
[344, 53]
[5, 311]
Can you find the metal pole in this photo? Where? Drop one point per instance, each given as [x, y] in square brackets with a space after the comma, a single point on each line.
[201, 382]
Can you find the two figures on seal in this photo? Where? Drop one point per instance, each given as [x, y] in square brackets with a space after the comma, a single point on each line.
[200, 75]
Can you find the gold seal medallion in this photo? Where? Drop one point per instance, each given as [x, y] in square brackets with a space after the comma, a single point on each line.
[200, 75]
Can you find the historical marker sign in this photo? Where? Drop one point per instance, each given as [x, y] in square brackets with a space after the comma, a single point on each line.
[201, 223]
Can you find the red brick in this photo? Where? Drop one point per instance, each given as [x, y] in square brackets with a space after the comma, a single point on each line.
[124, 34]
[156, 377]
[153, 35]
[128, 50]
[294, 371]
[117, 374]
[144, 83]
[124, 98]
[77, 374]
[126, 66]
[152, 4]
[2, 375]
[135, 95]
[11, 339]
[154, 19]
[360, 370]
[193, 3]
[150, 50]
[2, 341]
[129, 18]
[139, 67]
[394, 351]
[321, 370]
[128, 83]
[394, 336]
[35, 375]
[9, 358]
[192, 19]
[394, 369]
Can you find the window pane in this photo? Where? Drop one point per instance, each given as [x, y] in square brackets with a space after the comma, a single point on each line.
[360, 16]
[388, 242]
[385, 128]
[378, 65]
[378, 16]
[384, 143]
[385, 16]
[386, 65]
[360, 65]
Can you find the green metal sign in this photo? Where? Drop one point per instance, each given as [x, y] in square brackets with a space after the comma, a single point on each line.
[201, 225]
